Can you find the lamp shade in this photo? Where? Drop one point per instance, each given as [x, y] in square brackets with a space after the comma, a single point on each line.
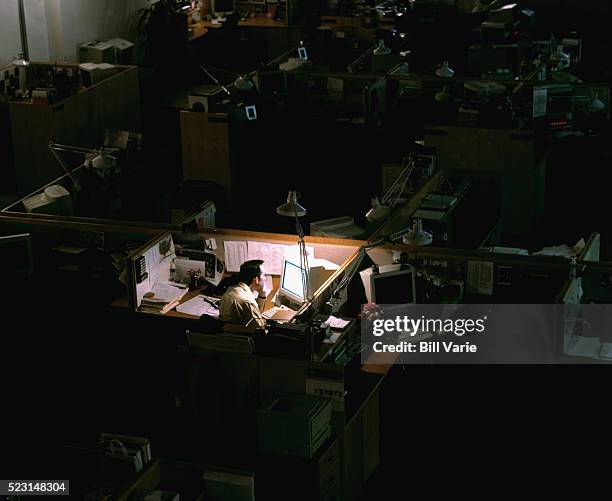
[243, 84]
[291, 208]
[20, 61]
[445, 71]
[378, 211]
[381, 48]
[104, 162]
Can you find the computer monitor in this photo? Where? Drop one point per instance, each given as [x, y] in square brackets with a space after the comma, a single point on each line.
[16, 255]
[292, 282]
[223, 7]
[251, 112]
[291, 289]
[394, 287]
[272, 83]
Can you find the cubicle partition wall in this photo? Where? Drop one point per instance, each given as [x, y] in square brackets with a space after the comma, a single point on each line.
[79, 118]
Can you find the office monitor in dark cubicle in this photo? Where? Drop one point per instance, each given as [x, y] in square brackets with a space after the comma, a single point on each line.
[272, 83]
[394, 287]
[223, 7]
[16, 256]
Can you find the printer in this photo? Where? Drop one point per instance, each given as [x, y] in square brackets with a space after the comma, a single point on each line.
[112, 51]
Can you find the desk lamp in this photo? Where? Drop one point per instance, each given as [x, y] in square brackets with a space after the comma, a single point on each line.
[381, 208]
[291, 208]
[243, 84]
[102, 162]
[299, 48]
[381, 48]
[211, 76]
[445, 71]
[416, 235]
[20, 61]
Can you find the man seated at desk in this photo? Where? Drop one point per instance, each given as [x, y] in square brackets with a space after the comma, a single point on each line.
[243, 303]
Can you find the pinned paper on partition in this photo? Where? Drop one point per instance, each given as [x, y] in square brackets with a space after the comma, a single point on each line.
[235, 254]
[273, 255]
[292, 253]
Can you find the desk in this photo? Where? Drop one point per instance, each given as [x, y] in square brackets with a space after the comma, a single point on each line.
[192, 294]
[202, 27]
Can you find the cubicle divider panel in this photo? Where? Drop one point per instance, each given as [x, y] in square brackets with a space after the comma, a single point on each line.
[80, 119]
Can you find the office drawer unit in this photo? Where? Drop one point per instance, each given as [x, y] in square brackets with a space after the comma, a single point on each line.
[295, 425]
[301, 479]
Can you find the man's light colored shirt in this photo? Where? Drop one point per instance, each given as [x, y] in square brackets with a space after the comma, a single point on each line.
[240, 306]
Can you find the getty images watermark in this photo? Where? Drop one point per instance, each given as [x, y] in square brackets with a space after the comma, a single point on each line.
[485, 333]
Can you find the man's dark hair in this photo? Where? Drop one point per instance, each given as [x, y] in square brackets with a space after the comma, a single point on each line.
[250, 270]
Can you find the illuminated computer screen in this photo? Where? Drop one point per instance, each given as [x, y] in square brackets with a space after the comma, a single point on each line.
[394, 287]
[15, 255]
[272, 83]
[292, 283]
[251, 112]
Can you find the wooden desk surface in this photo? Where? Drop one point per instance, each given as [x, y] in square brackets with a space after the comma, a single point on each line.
[192, 294]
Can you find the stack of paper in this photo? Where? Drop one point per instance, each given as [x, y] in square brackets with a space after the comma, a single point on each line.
[162, 298]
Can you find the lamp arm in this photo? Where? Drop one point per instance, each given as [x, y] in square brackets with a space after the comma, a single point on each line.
[283, 56]
[210, 75]
[53, 148]
[397, 188]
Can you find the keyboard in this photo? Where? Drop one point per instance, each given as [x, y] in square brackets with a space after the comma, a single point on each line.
[268, 314]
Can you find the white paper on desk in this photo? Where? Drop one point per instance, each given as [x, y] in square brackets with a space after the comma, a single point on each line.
[273, 255]
[235, 254]
[198, 307]
[164, 292]
[562, 250]
[337, 323]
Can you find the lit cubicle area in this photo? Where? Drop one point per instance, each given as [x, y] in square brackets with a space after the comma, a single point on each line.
[224, 250]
